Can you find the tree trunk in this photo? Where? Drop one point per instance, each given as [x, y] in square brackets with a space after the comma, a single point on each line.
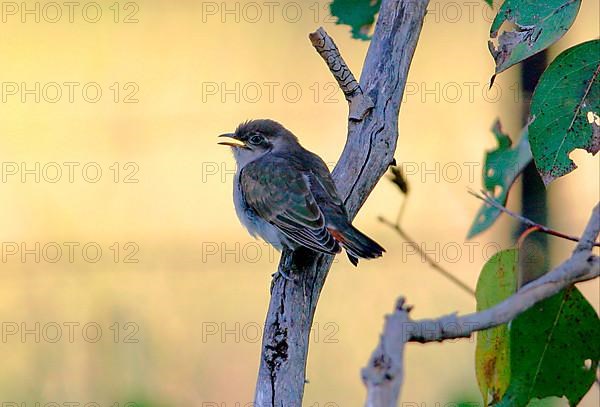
[369, 150]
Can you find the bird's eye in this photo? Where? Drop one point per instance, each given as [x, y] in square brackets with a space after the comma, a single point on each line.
[256, 139]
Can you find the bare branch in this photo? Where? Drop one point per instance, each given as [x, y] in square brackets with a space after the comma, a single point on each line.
[359, 103]
[383, 375]
[368, 150]
[590, 234]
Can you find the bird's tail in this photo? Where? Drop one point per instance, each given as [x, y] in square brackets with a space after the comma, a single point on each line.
[357, 244]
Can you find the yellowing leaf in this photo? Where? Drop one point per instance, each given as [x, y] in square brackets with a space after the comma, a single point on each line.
[497, 281]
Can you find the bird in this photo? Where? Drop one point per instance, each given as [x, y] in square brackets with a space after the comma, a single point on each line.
[285, 194]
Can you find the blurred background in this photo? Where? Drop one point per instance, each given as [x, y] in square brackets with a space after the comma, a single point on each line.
[125, 274]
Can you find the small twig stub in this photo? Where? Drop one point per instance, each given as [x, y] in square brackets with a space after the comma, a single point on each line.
[359, 103]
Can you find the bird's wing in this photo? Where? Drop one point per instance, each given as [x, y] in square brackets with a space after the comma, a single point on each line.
[322, 184]
[279, 193]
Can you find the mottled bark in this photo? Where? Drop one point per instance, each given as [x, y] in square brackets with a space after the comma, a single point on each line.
[369, 149]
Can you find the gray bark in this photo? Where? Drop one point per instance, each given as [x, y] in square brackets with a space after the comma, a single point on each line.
[369, 149]
[384, 373]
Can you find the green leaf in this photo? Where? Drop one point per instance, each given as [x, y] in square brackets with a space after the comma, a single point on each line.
[566, 110]
[547, 402]
[497, 281]
[554, 350]
[358, 14]
[537, 25]
[502, 167]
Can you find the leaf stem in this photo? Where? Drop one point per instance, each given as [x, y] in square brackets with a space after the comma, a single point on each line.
[485, 197]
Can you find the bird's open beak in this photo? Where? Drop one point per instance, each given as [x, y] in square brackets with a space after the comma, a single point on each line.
[234, 141]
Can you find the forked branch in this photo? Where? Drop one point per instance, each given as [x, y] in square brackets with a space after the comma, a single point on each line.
[369, 148]
[384, 373]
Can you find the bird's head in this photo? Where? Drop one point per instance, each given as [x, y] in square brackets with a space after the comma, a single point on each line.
[255, 138]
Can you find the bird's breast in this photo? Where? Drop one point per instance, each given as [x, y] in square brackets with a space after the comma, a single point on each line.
[255, 225]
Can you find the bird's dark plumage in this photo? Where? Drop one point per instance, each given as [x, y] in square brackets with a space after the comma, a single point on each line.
[291, 189]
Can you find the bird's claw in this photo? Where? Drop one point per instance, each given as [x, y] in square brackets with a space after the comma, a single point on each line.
[280, 273]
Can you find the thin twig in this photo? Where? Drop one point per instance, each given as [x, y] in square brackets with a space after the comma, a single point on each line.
[435, 265]
[485, 197]
[401, 211]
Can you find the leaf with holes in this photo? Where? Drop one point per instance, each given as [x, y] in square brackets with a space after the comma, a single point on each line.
[537, 25]
[554, 350]
[566, 110]
[497, 282]
[358, 14]
[502, 167]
